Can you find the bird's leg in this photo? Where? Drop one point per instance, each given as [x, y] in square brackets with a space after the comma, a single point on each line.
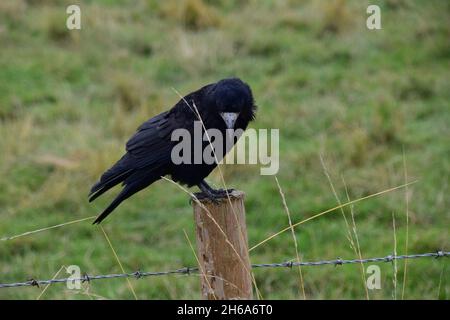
[207, 192]
[220, 192]
[211, 193]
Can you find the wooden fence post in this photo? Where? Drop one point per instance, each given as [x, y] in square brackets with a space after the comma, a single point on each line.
[222, 246]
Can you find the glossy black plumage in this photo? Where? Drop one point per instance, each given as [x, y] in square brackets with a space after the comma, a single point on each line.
[148, 155]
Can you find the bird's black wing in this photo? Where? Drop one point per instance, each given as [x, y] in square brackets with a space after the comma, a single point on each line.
[147, 159]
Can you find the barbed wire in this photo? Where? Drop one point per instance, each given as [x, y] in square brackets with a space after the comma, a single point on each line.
[188, 270]
[339, 261]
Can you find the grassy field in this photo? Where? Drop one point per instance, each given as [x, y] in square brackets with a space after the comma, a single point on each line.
[373, 104]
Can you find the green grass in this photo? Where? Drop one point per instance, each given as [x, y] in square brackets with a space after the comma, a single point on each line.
[70, 99]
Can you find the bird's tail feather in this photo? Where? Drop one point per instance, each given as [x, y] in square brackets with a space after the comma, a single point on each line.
[113, 176]
[134, 183]
[102, 186]
[124, 194]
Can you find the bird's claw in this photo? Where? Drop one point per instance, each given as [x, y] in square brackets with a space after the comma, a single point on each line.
[212, 196]
[223, 192]
[202, 195]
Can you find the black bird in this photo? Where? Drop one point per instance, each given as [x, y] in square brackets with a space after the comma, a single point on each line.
[226, 104]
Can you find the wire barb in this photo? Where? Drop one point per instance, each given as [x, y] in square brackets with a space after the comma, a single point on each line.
[440, 254]
[189, 270]
[33, 282]
[338, 262]
[86, 278]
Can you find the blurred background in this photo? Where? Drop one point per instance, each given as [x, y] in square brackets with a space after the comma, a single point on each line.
[373, 104]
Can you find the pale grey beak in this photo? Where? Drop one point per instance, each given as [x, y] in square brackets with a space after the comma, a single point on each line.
[229, 118]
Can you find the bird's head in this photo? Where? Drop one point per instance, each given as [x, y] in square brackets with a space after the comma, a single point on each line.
[233, 100]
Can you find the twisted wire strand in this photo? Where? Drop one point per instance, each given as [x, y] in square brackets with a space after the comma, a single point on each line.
[187, 270]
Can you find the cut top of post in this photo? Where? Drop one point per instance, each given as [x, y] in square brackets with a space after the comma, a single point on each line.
[235, 194]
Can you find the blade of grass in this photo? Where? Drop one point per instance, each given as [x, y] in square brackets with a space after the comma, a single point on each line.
[355, 233]
[48, 285]
[45, 229]
[325, 170]
[405, 174]
[356, 248]
[286, 208]
[440, 280]
[394, 265]
[118, 261]
[328, 211]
